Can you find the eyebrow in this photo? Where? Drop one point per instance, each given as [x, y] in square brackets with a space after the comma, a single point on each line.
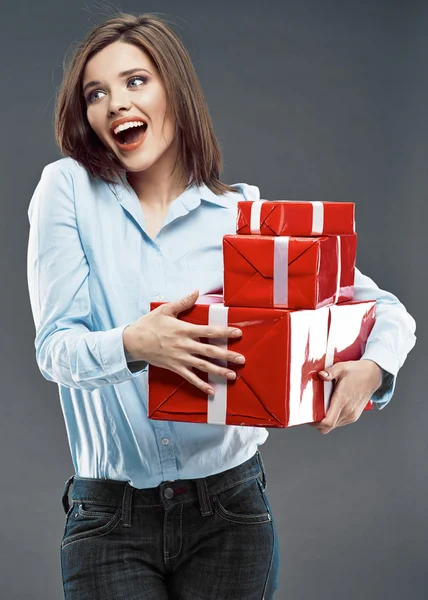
[121, 75]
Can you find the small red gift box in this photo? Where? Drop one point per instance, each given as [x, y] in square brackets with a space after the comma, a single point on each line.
[278, 386]
[296, 218]
[283, 272]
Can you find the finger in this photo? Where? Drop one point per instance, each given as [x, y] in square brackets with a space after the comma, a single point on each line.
[192, 378]
[178, 306]
[334, 372]
[346, 417]
[317, 425]
[208, 367]
[216, 352]
[334, 411]
[322, 430]
[208, 331]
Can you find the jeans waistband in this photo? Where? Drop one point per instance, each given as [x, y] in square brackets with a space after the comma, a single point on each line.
[167, 494]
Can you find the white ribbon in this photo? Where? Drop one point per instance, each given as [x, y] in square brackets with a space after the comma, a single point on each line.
[332, 335]
[329, 356]
[280, 270]
[317, 217]
[339, 269]
[217, 404]
[255, 218]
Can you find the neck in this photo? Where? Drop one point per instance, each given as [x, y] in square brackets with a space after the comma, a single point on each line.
[157, 187]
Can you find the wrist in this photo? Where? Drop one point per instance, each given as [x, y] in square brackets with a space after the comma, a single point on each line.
[129, 344]
[376, 371]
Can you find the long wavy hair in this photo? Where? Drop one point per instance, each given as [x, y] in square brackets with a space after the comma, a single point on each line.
[199, 152]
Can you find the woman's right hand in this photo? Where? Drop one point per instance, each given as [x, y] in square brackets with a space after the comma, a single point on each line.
[162, 340]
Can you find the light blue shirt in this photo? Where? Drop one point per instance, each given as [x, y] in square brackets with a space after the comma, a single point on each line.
[93, 270]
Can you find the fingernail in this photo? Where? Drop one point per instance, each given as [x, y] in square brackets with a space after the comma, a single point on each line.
[324, 374]
[236, 332]
[210, 392]
[231, 375]
[240, 359]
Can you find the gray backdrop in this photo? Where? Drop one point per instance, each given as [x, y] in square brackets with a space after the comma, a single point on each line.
[317, 100]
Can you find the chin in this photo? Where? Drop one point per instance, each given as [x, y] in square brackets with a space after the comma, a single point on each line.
[137, 168]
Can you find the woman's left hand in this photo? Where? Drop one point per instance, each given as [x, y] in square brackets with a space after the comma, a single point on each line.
[355, 383]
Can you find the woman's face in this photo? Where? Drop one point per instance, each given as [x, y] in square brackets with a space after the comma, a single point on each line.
[139, 95]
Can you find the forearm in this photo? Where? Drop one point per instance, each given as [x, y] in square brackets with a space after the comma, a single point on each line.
[82, 359]
[392, 336]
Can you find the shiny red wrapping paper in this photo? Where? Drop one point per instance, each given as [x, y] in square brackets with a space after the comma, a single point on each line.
[309, 274]
[296, 218]
[278, 386]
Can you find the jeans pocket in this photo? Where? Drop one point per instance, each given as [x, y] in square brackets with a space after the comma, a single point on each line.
[89, 510]
[88, 520]
[244, 503]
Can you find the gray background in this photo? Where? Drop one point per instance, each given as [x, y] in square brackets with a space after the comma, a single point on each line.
[310, 99]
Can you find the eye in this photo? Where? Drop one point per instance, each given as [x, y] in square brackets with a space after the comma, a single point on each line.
[143, 79]
[90, 97]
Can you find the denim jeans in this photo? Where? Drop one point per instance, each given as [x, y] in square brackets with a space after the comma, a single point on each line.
[200, 539]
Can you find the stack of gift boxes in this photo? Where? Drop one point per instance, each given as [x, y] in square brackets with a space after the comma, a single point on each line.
[288, 285]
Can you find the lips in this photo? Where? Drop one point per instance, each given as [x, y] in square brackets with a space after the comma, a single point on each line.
[131, 146]
[123, 120]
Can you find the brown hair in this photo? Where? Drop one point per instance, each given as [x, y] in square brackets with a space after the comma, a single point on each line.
[198, 147]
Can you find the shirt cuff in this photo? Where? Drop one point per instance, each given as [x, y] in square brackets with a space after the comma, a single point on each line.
[386, 359]
[113, 357]
[388, 362]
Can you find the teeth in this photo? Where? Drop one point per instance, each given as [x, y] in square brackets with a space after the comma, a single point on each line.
[127, 125]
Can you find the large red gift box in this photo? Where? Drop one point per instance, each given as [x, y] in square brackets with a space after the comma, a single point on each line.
[278, 386]
[297, 218]
[288, 272]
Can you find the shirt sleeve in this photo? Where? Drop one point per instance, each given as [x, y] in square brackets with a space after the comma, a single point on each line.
[392, 336]
[68, 351]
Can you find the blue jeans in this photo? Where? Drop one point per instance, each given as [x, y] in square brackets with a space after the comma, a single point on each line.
[200, 539]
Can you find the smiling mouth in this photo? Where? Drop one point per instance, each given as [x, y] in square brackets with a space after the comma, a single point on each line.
[130, 136]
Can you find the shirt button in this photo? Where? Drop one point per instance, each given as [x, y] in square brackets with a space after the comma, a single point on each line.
[159, 297]
[169, 493]
[165, 441]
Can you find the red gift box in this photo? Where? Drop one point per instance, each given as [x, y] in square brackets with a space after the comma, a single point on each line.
[283, 272]
[278, 386]
[296, 218]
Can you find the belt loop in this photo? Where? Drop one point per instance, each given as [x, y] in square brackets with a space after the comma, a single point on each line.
[126, 505]
[262, 468]
[64, 499]
[204, 499]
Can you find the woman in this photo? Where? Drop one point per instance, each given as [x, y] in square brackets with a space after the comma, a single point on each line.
[136, 212]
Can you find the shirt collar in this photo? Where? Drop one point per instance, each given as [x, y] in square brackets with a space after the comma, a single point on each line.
[191, 197]
[206, 194]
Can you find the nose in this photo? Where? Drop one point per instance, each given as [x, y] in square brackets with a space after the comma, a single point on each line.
[118, 102]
